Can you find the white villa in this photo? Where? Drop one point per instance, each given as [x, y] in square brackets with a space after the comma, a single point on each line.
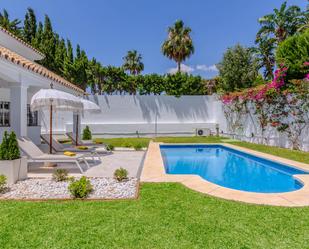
[20, 78]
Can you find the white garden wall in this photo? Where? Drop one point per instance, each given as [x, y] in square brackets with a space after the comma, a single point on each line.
[126, 115]
[165, 115]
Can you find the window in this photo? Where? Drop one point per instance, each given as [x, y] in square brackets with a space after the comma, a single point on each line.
[32, 117]
[4, 114]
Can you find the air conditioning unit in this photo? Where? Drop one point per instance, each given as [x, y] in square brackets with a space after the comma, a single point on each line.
[201, 132]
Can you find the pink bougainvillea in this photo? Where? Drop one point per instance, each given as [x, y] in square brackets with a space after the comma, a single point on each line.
[280, 106]
[258, 93]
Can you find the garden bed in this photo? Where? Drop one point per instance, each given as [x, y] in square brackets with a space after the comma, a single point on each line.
[46, 188]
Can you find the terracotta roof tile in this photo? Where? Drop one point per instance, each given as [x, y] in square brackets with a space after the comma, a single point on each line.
[36, 68]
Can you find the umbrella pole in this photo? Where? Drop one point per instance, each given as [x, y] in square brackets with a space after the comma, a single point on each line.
[50, 130]
[77, 117]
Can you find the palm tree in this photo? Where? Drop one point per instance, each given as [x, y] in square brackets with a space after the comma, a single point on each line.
[9, 25]
[179, 45]
[265, 55]
[281, 24]
[133, 62]
[305, 25]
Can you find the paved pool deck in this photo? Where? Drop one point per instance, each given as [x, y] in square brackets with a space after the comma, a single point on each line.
[153, 171]
[130, 160]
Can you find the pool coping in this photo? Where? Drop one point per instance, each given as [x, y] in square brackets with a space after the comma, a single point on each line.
[154, 171]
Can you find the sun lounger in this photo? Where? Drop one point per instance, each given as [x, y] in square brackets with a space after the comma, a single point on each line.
[100, 148]
[58, 147]
[36, 155]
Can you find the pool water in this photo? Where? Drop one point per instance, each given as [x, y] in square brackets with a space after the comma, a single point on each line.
[230, 168]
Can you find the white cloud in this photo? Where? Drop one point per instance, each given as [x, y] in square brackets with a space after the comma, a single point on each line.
[190, 69]
[206, 68]
[183, 68]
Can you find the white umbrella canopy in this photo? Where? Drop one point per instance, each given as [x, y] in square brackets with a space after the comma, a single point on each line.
[90, 106]
[54, 100]
[45, 98]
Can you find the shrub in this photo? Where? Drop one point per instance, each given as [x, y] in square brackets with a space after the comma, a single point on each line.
[4, 151]
[110, 147]
[127, 145]
[9, 149]
[80, 188]
[2, 183]
[293, 53]
[60, 175]
[120, 174]
[87, 133]
[13, 147]
[138, 147]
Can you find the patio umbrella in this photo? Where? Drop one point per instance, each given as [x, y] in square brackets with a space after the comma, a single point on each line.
[89, 107]
[54, 100]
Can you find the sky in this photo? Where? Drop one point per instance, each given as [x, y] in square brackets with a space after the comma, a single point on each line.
[106, 30]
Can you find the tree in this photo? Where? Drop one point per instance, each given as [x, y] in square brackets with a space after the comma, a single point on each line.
[282, 23]
[179, 45]
[94, 74]
[293, 53]
[60, 54]
[183, 84]
[6, 23]
[30, 26]
[68, 68]
[48, 45]
[70, 51]
[114, 79]
[80, 66]
[305, 26]
[265, 55]
[151, 84]
[275, 28]
[238, 68]
[133, 62]
[38, 36]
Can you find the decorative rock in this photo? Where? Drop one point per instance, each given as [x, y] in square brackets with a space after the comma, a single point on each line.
[46, 188]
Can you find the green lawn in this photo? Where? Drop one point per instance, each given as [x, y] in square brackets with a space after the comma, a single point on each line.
[167, 215]
[124, 142]
[286, 153]
[131, 142]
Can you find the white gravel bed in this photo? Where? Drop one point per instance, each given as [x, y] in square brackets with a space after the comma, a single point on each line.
[46, 188]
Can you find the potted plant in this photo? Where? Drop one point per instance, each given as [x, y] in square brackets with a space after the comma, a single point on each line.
[12, 165]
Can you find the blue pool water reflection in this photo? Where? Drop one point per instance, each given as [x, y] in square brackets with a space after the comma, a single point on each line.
[230, 168]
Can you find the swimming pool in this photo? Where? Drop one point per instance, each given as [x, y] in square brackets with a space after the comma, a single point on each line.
[230, 168]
